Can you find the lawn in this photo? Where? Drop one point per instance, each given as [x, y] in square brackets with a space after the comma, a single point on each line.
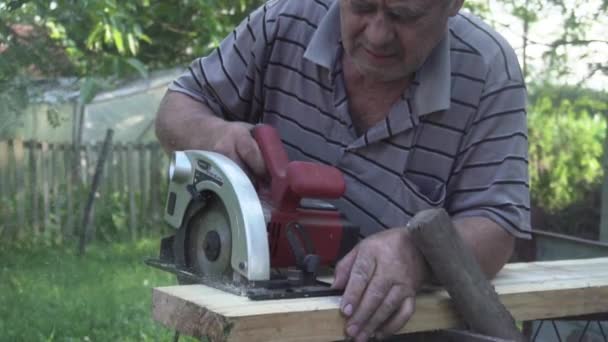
[50, 294]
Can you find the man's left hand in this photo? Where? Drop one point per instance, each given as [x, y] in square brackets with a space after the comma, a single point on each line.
[381, 276]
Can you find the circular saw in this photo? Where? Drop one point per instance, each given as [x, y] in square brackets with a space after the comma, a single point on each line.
[265, 243]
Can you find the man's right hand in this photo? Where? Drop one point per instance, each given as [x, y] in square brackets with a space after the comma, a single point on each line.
[235, 141]
[183, 123]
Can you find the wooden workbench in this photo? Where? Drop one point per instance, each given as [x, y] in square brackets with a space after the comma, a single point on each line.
[528, 290]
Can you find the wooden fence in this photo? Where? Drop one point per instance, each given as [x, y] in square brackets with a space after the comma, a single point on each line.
[42, 193]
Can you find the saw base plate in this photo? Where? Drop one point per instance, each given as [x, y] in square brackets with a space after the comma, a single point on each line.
[278, 288]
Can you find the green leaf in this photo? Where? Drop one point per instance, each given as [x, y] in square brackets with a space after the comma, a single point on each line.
[139, 66]
[94, 36]
[88, 90]
[133, 45]
[118, 40]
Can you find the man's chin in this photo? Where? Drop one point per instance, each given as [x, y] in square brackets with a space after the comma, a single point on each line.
[381, 74]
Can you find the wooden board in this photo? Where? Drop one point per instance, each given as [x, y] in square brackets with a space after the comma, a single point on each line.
[528, 290]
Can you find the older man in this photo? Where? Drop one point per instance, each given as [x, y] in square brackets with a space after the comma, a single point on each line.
[417, 104]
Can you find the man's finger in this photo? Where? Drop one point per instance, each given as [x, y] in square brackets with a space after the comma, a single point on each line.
[399, 319]
[249, 152]
[391, 303]
[343, 269]
[375, 294]
[360, 275]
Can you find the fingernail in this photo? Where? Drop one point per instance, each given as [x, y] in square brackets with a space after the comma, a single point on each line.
[362, 337]
[347, 310]
[352, 330]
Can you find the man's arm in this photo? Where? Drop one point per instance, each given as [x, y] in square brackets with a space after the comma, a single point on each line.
[207, 107]
[491, 244]
[183, 123]
[382, 274]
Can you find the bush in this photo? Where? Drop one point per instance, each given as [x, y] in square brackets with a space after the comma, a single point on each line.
[566, 138]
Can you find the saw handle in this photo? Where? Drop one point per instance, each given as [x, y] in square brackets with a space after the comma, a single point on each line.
[292, 181]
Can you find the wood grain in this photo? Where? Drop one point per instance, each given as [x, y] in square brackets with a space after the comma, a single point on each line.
[528, 290]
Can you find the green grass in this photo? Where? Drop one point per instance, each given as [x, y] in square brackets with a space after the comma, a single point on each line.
[50, 294]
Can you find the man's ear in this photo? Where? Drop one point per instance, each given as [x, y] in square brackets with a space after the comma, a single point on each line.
[455, 6]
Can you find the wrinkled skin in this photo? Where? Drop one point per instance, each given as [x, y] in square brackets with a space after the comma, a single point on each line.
[381, 275]
[390, 39]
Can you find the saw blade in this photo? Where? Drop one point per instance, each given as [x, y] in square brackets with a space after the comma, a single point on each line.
[209, 242]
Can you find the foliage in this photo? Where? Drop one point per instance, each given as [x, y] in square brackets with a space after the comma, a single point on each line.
[574, 40]
[567, 130]
[103, 42]
[13, 99]
[113, 37]
[52, 295]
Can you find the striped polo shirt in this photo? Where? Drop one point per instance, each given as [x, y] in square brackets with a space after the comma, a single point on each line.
[456, 139]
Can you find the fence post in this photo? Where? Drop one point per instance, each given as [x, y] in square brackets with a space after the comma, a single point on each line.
[116, 168]
[33, 188]
[5, 220]
[86, 224]
[155, 167]
[131, 187]
[143, 193]
[56, 199]
[20, 189]
[108, 180]
[44, 178]
[69, 157]
[124, 169]
[4, 170]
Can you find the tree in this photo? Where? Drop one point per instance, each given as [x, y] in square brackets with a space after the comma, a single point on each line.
[112, 37]
[572, 44]
[566, 133]
[103, 41]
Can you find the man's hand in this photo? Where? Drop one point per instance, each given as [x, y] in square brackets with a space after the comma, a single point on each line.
[381, 276]
[235, 141]
[183, 123]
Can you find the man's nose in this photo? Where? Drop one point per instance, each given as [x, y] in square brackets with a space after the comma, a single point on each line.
[379, 31]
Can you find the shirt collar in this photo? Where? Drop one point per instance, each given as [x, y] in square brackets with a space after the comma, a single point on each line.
[433, 92]
[321, 49]
[434, 81]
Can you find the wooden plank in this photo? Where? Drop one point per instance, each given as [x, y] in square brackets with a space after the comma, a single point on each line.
[116, 169]
[69, 159]
[108, 188]
[88, 162]
[33, 188]
[57, 197]
[131, 188]
[20, 188]
[91, 157]
[4, 170]
[141, 151]
[528, 290]
[97, 177]
[155, 210]
[54, 197]
[122, 171]
[45, 182]
[6, 220]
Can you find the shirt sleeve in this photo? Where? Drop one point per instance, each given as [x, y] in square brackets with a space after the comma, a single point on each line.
[229, 80]
[490, 177]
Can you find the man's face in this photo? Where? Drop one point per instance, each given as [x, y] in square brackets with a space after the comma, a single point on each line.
[390, 39]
